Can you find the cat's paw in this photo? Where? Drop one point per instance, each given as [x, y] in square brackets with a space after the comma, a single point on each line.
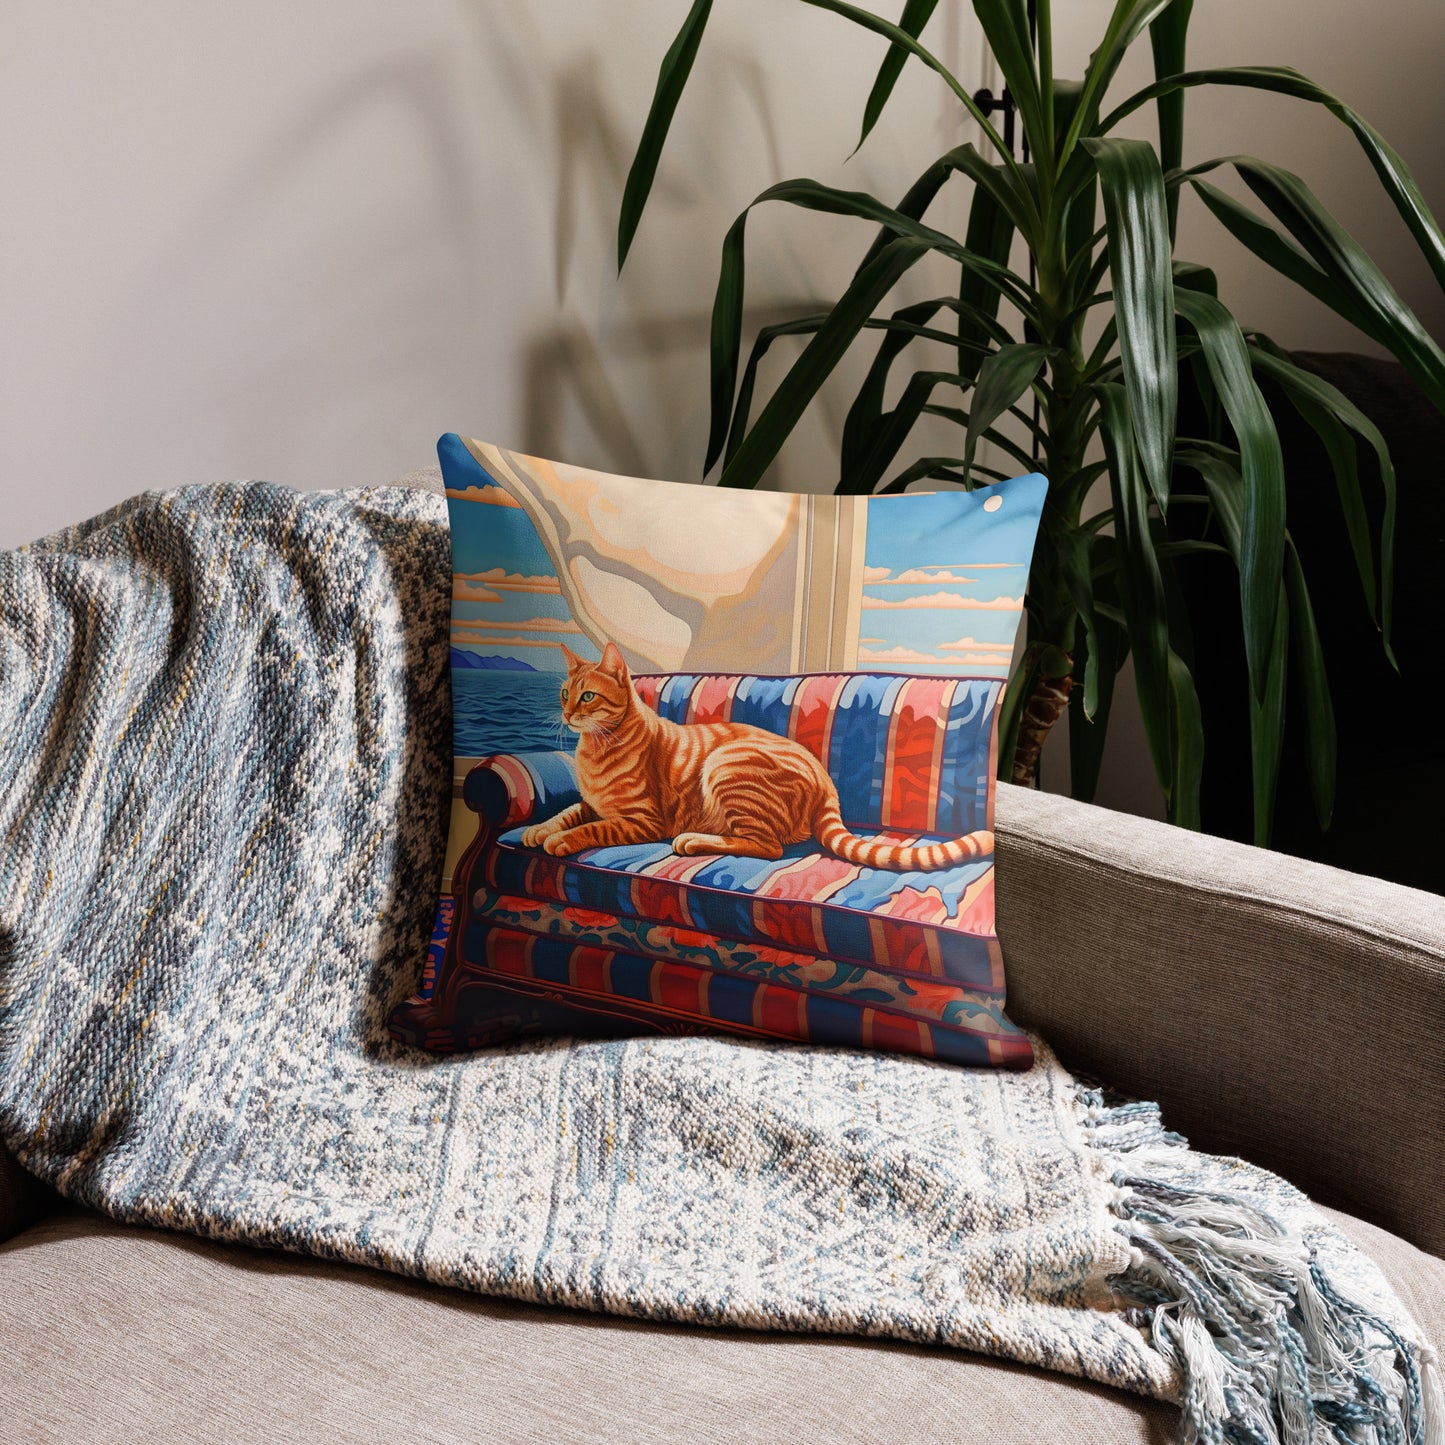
[535, 836]
[689, 845]
[561, 845]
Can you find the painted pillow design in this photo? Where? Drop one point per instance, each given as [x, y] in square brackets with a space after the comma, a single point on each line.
[724, 760]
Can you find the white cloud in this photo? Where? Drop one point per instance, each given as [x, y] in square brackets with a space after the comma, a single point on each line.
[944, 601]
[899, 654]
[532, 624]
[972, 644]
[506, 581]
[465, 589]
[913, 576]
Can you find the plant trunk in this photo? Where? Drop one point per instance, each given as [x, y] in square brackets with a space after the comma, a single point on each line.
[1045, 707]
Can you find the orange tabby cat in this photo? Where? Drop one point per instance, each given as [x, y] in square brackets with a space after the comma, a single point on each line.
[708, 787]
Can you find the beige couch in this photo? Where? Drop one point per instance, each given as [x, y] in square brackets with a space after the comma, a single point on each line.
[1278, 1009]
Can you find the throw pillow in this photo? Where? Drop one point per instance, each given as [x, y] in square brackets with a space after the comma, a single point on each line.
[723, 760]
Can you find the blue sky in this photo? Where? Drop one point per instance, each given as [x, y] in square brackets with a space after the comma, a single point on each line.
[945, 575]
[506, 600]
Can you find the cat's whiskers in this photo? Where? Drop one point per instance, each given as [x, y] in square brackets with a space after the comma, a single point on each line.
[558, 721]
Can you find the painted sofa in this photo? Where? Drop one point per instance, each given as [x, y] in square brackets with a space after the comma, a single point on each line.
[804, 947]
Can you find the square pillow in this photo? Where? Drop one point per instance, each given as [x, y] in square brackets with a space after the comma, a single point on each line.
[724, 760]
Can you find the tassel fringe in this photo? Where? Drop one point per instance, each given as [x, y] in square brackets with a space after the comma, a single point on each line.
[1269, 1347]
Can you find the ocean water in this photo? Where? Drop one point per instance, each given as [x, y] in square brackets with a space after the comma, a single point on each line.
[507, 712]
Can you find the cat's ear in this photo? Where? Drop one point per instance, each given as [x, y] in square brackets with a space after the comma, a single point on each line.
[571, 657]
[612, 662]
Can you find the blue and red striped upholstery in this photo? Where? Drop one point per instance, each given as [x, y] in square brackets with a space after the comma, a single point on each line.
[907, 753]
[780, 948]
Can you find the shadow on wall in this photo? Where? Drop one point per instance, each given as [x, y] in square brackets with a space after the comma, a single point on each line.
[330, 291]
[594, 153]
[566, 374]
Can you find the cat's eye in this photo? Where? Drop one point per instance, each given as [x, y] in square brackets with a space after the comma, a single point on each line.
[587, 697]
[564, 694]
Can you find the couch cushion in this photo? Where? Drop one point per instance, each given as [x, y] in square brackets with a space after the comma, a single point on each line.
[932, 1001]
[937, 924]
[118, 1333]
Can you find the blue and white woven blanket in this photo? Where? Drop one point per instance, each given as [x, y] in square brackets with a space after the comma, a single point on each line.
[224, 775]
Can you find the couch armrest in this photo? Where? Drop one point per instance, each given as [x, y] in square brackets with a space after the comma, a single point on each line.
[23, 1198]
[1277, 1009]
[512, 788]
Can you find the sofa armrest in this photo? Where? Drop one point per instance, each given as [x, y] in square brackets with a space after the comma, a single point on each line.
[513, 788]
[23, 1198]
[1276, 1008]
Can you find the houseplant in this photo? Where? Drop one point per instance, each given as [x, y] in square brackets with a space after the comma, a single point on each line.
[1094, 216]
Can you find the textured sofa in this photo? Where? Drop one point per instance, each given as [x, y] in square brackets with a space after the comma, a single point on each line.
[762, 938]
[1279, 1009]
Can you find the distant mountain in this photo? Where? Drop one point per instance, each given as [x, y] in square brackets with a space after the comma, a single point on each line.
[499, 664]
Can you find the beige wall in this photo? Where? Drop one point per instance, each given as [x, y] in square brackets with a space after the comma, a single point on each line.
[298, 241]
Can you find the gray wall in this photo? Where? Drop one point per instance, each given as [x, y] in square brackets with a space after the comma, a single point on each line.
[300, 240]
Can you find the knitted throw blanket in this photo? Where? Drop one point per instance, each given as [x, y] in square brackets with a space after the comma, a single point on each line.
[224, 770]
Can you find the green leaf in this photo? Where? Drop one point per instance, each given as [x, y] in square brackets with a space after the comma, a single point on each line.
[863, 475]
[1186, 726]
[1224, 482]
[1266, 726]
[944, 469]
[671, 79]
[1087, 735]
[1315, 389]
[1078, 195]
[1008, 196]
[1167, 36]
[1261, 548]
[725, 338]
[865, 415]
[1339, 255]
[1340, 448]
[1126, 24]
[902, 330]
[727, 314]
[1394, 174]
[1099, 653]
[916, 14]
[1072, 546]
[1003, 377]
[1317, 708]
[1016, 694]
[1219, 470]
[1005, 27]
[813, 196]
[990, 234]
[1190, 277]
[1141, 586]
[819, 357]
[1140, 263]
[1002, 442]
[864, 472]
[1279, 252]
[901, 38]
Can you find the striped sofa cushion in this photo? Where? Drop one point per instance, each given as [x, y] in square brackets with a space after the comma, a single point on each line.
[936, 925]
[911, 754]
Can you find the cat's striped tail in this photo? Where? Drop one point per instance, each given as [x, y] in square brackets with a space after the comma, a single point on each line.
[834, 835]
